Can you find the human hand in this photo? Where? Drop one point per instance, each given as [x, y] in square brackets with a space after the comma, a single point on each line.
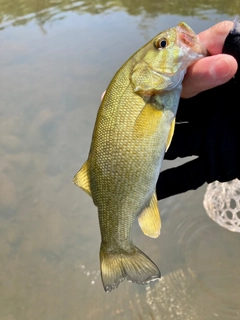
[207, 124]
[213, 70]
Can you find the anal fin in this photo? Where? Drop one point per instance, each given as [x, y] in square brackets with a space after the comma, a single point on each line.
[81, 179]
[149, 219]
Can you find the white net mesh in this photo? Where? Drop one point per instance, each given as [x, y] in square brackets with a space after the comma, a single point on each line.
[222, 204]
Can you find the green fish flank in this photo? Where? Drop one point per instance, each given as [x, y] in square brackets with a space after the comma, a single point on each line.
[134, 127]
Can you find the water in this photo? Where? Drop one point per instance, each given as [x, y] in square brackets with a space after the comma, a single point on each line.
[56, 59]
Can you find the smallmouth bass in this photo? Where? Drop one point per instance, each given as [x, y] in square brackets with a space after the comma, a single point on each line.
[133, 129]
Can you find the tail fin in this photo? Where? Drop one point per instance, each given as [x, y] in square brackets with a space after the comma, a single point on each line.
[135, 266]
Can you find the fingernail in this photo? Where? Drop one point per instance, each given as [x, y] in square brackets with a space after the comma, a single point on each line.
[221, 68]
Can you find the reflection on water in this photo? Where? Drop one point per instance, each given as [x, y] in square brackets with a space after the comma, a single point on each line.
[51, 83]
[19, 12]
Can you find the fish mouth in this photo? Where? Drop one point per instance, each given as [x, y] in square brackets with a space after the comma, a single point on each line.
[188, 41]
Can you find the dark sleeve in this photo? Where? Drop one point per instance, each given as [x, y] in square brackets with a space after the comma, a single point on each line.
[208, 126]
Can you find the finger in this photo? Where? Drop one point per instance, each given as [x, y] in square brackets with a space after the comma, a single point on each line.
[208, 73]
[188, 176]
[214, 37]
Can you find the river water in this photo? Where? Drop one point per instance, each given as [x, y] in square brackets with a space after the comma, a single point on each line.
[56, 59]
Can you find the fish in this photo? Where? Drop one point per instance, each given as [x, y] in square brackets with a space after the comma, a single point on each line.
[133, 129]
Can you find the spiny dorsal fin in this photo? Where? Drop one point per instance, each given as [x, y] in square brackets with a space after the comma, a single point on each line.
[149, 220]
[81, 179]
[170, 135]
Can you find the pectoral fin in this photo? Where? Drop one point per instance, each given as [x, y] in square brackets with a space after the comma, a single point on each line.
[149, 219]
[170, 135]
[81, 179]
[147, 122]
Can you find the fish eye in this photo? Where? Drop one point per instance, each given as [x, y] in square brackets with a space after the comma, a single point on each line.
[161, 43]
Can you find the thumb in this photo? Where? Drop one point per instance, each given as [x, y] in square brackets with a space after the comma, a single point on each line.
[208, 73]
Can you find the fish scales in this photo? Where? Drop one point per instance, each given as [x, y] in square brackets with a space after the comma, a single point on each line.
[133, 129]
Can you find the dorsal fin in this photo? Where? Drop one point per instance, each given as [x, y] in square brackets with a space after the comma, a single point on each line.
[81, 179]
[149, 219]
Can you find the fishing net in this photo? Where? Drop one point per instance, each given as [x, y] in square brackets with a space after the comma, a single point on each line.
[222, 204]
